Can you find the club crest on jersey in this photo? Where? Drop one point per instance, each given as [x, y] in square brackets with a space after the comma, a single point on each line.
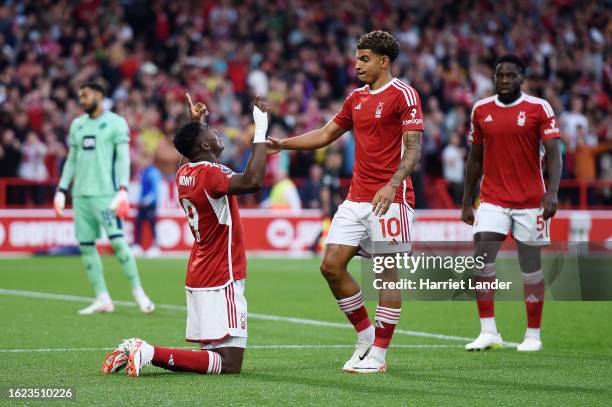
[358, 106]
[89, 142]
[379, 109]
[520, 120]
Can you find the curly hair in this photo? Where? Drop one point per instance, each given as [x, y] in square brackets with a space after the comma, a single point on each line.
[381, 42]
[185, 138]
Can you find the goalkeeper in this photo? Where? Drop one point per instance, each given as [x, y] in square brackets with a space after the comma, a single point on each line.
[99, 164]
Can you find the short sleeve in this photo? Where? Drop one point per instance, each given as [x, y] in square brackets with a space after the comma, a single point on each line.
[122, 131]
[216, 181]
[475, 135]
[549, 128]
[409, 110]
[344, 118]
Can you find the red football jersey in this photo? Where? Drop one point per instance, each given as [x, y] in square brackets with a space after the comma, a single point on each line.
[378, 119]
[511, 135]
[217, 256]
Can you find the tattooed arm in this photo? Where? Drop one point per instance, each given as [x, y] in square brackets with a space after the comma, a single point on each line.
[412, 154]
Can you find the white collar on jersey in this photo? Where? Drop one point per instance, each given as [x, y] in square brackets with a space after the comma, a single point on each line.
[516, 102]
[374, 92]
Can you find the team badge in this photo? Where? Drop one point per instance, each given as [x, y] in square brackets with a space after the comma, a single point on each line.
[379, 109]
[521, 119]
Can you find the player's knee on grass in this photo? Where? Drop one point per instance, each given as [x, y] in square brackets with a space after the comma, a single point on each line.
[231, 359]
[529, 258]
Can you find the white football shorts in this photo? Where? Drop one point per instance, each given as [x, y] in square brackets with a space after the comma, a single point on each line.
[354, 224]
[217, 318]
[527, 225]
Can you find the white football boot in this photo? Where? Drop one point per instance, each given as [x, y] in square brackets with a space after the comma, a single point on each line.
[362, 348]
[98, 307]
[485, 341]
[144, 302]
[530, 344]
[370, 364]
[140, 354]
[117, 359]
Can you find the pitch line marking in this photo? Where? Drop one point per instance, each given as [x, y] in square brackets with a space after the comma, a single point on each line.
[301, 321]
[281, 346]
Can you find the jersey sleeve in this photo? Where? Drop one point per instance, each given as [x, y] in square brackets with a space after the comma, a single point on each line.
[72, 138]
[475, 135]
[409, 110]
[344, 118]
[122, 131]
[549, 128]
[216, 181]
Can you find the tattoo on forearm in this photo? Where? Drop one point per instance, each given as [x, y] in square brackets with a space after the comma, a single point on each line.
[412, 154]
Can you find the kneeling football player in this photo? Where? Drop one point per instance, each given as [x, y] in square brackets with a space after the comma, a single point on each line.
[216, 306]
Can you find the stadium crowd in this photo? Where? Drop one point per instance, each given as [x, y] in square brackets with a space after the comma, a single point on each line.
[299, 55]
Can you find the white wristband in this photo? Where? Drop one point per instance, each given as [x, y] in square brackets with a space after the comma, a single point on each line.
[261, 125]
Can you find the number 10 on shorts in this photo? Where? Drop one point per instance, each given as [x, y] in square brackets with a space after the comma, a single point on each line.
[390, 227]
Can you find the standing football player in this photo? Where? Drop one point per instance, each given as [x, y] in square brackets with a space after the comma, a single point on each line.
[507, 132]
[216, 306]
[99, 163]
[386, 118]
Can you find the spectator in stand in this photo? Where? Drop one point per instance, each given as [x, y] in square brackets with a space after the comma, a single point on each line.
[10, 154]
[453, 157]
[284, 194]
[300, 57]
[150, 179]
[32, 167]
[310, 191]
[573, 120]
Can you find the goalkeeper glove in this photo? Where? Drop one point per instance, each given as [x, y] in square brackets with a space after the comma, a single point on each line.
[121, 203]
[59, 202]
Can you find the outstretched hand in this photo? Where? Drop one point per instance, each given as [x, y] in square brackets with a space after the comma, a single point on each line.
[273, 145]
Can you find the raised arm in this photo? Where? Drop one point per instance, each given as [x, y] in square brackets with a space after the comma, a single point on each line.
[307, 141]
[473, 173]
[412, 154]
[252, 178]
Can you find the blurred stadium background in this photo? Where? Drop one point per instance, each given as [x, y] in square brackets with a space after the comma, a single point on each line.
[300, 56]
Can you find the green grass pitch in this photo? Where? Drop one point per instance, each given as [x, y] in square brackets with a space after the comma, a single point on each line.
[44, 343]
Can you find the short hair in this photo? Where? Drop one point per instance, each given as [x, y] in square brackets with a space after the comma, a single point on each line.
[185, 138]
[513, 59]
[95, 85]
[381, 42]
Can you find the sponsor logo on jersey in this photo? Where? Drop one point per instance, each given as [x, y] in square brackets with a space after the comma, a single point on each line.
[553, 128]
[412, 121]
[187, 180]
[358, 107]
[520, 120]
[89, 142]
[379, 109]
[488, 119]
